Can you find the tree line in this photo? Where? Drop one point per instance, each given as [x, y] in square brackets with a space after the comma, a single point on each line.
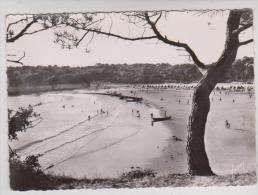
[242, 71]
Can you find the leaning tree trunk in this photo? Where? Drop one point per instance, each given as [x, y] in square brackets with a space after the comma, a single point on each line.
[198, 162]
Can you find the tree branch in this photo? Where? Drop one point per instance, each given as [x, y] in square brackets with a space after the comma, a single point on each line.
[110, 27]
[114, 35]
[157, 35]
[14, 61]
[245, 42]
[177, 44]
[36, 31]
[242, 28]
[17, 61]
[77, 44]
[21, 33]
[158, 17]
[18, 21]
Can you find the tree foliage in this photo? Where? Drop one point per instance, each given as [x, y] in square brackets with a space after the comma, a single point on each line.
[24, 174]
[242, 71]
[20, 120]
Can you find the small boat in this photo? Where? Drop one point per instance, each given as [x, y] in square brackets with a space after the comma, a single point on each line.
[155, 119]
[133, 100]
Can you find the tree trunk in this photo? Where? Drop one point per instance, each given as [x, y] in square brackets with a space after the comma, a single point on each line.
[197, 158]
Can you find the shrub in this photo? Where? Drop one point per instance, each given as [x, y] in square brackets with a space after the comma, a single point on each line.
[27, 174]
[24, 174]
[20, 120]
[138, 172]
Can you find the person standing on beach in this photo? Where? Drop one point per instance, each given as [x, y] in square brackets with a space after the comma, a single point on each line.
[89, 117]
[138, 114]
[152, 122]
[227, 124]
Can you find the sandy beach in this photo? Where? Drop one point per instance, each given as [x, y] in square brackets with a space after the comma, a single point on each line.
[229, 150]
[112, 142]
[105, 146]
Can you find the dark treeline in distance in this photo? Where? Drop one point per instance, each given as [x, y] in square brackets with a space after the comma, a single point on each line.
[242, 71]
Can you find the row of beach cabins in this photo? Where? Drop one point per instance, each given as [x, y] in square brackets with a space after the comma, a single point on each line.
[234, 87]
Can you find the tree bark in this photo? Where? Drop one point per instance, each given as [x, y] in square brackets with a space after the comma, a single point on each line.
[198, 162]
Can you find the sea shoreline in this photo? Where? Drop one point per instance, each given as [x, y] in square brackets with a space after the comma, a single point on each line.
[25, 90]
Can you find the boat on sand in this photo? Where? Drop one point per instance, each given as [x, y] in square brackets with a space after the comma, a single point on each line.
[156, 119]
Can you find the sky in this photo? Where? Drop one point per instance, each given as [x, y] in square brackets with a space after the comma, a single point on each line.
[205, 34]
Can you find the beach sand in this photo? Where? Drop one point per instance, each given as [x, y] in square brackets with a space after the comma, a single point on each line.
[229, 150]
[105, 146]
[109, 144]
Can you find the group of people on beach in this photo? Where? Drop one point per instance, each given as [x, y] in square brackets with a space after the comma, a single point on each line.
[102, 111]
[138, 114]
[99, 112]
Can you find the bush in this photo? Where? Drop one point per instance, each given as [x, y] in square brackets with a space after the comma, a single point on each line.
[27, 174]
[20, 120]
[138, 172]
[24, 174]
